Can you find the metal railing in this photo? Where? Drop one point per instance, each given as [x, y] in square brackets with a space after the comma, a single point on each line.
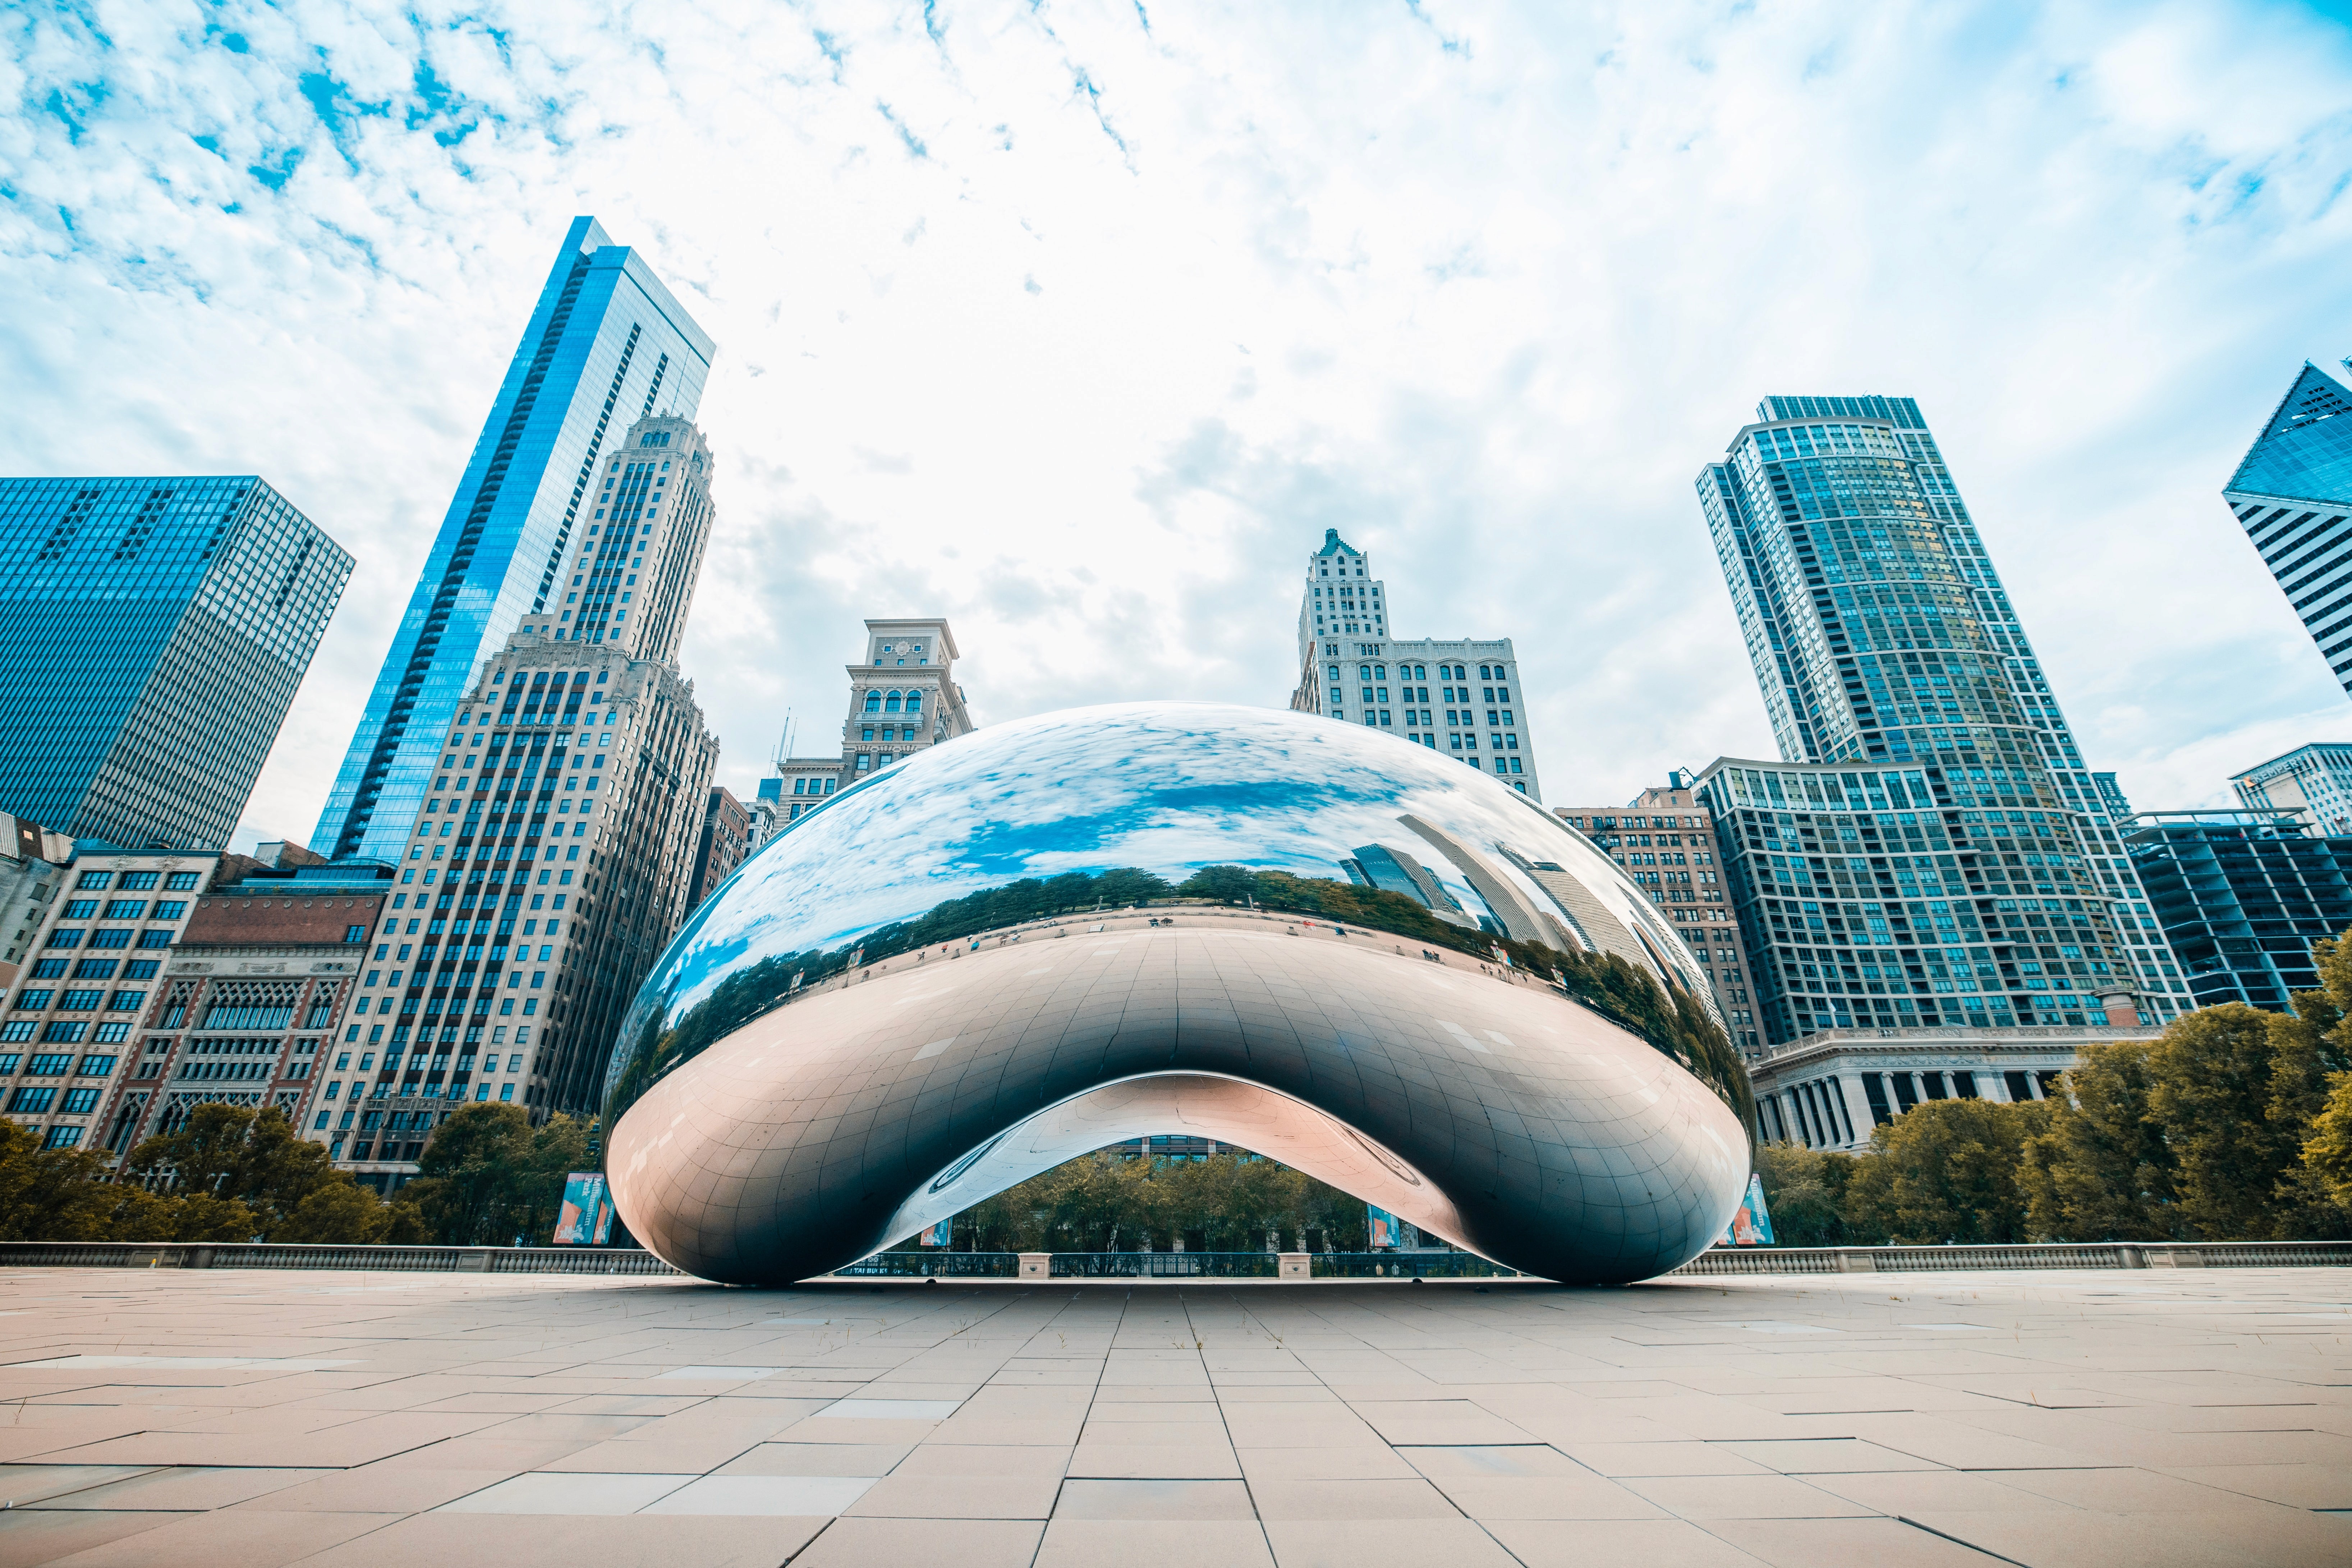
[2037, 1255]
[1715, 1261]
[273, 1255]
[935, 1266]
[1409, 1265]
[1166, 1265]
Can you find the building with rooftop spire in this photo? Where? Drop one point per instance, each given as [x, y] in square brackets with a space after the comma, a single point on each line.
[2293, 494]
[553, 855]
[1463, 696]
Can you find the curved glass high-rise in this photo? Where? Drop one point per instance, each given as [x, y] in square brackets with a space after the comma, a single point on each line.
[607, 345]
[1931, 849]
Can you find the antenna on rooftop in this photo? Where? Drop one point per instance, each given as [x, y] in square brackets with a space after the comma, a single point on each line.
[785, 741]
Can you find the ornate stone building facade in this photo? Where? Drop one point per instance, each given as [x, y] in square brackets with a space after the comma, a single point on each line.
[555, 853]
[903, 698]
[252, 1007]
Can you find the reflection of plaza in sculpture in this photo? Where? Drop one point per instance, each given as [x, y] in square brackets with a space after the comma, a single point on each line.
[950, 977]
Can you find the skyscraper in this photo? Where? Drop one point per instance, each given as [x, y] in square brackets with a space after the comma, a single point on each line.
[607, 343]
[1351, 668]
[2293, 494]
[1931, 802]
[726, 839]
[553, 856]
[153, 632]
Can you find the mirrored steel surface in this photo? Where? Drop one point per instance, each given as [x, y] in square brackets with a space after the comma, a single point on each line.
[851, 1017]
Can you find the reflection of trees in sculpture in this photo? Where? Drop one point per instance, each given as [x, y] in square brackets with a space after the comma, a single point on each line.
[1674, 1021]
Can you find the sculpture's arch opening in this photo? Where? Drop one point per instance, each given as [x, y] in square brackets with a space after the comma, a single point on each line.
[1198, 1104]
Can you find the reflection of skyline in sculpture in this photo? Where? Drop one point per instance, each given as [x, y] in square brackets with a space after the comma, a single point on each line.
[992, 810]
[1395, 870]
[1541, 1131]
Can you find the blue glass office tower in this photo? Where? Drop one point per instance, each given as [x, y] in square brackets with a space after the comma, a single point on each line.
[153, 632]
[2293, 494]
[606, 346]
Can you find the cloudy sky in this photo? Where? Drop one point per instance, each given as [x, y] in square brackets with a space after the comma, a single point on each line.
[1079, 323]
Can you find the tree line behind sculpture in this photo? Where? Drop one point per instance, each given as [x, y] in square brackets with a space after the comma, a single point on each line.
[2235, 1124]
[1673, 1021]
[231, 1173]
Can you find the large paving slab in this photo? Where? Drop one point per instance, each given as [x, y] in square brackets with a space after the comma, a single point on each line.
[340, 1420]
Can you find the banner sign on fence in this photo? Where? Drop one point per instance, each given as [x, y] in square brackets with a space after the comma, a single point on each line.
[587, 1217]
[1752, 1226]
[1387, 1230]
[937, 1236]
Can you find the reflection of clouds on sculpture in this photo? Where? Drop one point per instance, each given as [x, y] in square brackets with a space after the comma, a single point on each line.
[1166, 788]
[1591, 1136]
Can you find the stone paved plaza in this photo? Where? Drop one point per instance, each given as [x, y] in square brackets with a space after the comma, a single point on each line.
[391, 1420]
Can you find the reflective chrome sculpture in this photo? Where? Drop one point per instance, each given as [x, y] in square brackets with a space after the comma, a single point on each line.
[966, 969]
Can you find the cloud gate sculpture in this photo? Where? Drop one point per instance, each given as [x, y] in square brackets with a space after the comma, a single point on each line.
[1341, 951]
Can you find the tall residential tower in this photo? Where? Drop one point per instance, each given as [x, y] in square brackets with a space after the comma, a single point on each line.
[606, 345]
[2293, 494]
[1931, 851]
[153, 632]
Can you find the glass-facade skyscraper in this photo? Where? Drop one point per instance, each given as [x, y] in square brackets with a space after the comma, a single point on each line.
[1931, 850]
[153, 632]
[2293, 494]
[607, 345]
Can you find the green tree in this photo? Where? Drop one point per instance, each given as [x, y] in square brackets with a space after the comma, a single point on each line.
[487, 1176]
[51, 1195]
[2217, 1076]
[2327, 1152]
[2103, 1169]
[256, 1161]
[341, 1213]
[467, 1172]
[1946, 1171]
[2318, 1089]
[1111, 1202]
[2307, 1055]
[1805, 1193]
[63, 1194]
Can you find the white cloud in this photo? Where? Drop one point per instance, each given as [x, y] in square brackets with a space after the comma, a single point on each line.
[1081, 332]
